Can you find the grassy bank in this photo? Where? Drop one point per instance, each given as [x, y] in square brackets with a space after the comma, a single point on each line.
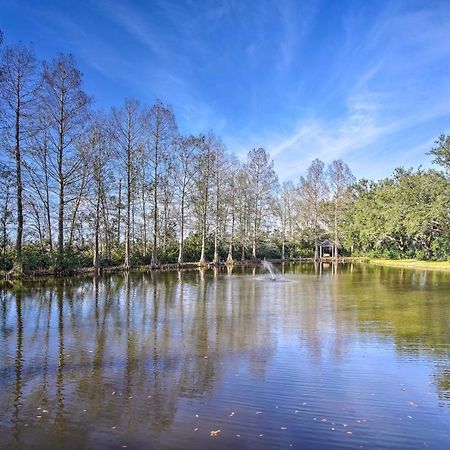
[412, 263]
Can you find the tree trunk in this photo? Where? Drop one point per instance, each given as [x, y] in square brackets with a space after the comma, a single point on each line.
[75, 211]
[61, 198]
[96, 261]
[155, 210]
[335, 251]
[119, 212]
[181, 242]
[47, 198]
[202, 261]
[230, 246]
[18, 158]
[254, 242]
[144, 222]
[128, 222]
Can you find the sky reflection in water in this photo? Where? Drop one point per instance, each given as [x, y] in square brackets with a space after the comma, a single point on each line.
[358, 356]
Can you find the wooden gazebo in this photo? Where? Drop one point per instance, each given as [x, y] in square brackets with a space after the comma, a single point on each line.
[326, 249]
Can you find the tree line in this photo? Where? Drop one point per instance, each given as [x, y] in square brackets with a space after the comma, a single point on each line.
[85, 187]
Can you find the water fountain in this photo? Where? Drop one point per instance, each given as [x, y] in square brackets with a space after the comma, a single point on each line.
[269, 267]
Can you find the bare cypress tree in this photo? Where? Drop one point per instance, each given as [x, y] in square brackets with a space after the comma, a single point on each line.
[38, 170]
[100, 155]
[262, 181]
[313, 191]
[67, 107]
[232, 189]
[203, 186]
[285, 209]
[340, 178]
[242, 205]
[186, 154]
[219, 178]
[126, 125]
[18, 89]
[160, 130]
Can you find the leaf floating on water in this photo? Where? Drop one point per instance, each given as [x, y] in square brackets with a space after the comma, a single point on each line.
[214, 433]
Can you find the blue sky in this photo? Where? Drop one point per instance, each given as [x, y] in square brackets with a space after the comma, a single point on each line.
[367, 81]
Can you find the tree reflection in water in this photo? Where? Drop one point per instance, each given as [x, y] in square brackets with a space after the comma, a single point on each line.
[92, 361]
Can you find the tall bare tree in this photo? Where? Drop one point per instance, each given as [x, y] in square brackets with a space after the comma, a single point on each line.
[126, 130]
[286, 209]
[160, 129]
[67, 106]
[186, 154]
[262, 182]
[100, 155]
[18, 89]
[340, 179]
[220, 172]
[313, 190]
[203, 187]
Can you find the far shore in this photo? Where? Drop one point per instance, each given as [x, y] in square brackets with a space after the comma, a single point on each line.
[401, 263]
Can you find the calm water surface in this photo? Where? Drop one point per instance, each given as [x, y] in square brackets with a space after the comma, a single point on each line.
[357, 357]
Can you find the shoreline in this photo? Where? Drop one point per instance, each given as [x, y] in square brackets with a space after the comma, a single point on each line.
[399, 263]
[44, 273]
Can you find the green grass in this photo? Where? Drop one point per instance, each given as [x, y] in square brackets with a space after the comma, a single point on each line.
[412, 263]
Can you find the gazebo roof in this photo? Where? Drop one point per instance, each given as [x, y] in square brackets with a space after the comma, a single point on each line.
[328, 243]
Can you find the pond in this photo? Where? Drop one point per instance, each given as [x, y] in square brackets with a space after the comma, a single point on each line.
[353, 356]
